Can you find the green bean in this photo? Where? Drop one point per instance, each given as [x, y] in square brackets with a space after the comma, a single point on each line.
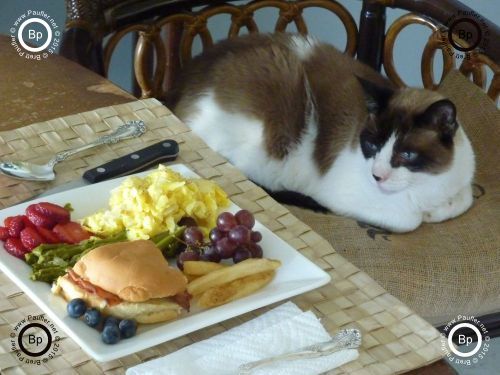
[31, 258]
[48, 274]
[63, 252]
[168, 243]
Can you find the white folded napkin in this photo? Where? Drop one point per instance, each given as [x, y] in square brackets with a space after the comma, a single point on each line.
[281, 330]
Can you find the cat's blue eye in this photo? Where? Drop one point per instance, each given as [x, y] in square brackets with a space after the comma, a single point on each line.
[408, 155]
[371, 146]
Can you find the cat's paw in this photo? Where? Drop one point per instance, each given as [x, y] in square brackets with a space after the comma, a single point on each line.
[435, 216]
[453, 207]
[441, 213]
[408, 226]
[399, 223]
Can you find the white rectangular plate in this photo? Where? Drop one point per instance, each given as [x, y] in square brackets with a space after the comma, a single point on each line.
[296, 275]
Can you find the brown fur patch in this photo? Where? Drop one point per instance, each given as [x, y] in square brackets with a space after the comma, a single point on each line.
[262, 77]
[434, 156]
[258, 76]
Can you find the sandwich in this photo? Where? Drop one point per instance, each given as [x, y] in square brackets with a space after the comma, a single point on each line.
[128, 280]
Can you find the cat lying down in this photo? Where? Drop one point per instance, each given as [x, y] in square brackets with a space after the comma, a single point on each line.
[296, 114]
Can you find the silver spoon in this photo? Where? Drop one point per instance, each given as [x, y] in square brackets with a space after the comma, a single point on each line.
[45, 172]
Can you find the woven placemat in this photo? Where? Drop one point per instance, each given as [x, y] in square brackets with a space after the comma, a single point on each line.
[395, 339]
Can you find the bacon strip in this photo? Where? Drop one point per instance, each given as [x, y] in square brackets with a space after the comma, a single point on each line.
[111, 299]
[183, 299]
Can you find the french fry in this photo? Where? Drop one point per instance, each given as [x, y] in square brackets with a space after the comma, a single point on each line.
[236, 289]
[191, 277]
[200, 268]
[227, 274]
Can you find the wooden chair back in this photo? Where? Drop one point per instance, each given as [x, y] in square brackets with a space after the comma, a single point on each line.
[165, 32]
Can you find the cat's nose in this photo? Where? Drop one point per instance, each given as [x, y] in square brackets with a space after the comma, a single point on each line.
[377, 178]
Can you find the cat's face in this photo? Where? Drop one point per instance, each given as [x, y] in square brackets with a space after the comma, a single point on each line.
[403, 146]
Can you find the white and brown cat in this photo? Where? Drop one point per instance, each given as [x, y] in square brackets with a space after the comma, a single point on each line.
[296, 114]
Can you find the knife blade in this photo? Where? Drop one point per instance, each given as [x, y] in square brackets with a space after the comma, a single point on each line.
[136, 161]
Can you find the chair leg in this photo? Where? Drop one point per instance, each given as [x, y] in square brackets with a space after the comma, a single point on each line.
[174, 34]
[371, 34]
[79, 46]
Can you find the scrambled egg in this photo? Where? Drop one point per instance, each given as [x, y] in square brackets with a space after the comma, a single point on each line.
[154, 204]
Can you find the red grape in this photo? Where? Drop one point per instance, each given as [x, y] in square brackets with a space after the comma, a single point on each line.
[241, 254]
[187, 255]
[226, 221]
[225, 248]
[245, 218]
[240, 235]
[216, 235]
[256, 236]
[193, 236]
[255, 250]
[210, 254]
[187, 221]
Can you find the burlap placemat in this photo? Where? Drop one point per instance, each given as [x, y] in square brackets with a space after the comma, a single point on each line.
[439, 270]
[395, 339]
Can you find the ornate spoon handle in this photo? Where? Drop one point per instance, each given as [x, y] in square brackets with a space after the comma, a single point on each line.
[130, 129]
[345, 339]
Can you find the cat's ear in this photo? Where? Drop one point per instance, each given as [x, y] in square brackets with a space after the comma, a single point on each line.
[377, 97]
[442, 115]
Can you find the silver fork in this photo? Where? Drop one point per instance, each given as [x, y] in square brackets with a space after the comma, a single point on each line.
[344, 339]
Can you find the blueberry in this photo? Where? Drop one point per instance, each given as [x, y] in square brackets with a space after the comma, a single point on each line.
[110, 334]
[111, 320]
[76, 307]
[128, 327]
[92, 317]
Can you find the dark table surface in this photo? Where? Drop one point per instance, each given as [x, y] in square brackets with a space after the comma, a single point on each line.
[33, 91]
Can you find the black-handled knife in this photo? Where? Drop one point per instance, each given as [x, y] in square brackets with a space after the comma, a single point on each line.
[160, 152]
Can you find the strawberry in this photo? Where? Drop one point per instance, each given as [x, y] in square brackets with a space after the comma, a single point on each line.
[71, 232]
[14, 225]
[15, 247]
[27, 222]
[30, 238]
[4, 233]
[57, 213]
[39, 219]
[48, 235]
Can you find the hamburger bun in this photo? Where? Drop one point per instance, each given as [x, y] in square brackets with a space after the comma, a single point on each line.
[152, 311]
[135, 271]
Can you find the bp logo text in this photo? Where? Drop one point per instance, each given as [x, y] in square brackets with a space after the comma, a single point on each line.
[464, 33]
[471, 336]
[35, 340]
[35, 35]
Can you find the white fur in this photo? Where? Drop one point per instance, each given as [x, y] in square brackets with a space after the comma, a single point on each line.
[399, 202]
[303, 46]
[382, 164]
[240, 139]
